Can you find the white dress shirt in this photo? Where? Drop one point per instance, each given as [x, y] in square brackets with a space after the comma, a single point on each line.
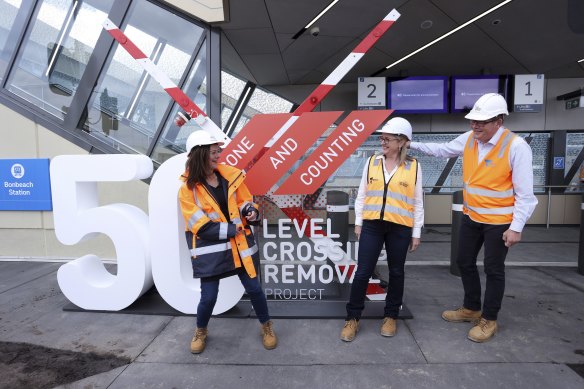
[418, 197]
[520, 160]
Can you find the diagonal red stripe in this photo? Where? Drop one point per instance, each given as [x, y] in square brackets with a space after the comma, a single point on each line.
[314, 99]
[288, 149]
[250, 140]
[129, 46]
[373, 36]
[329, 156]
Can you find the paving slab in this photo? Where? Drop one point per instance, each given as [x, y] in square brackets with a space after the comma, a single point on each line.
[33, 313]
[300, 342]
[538, 321]
[15, 274]
[476, 376]
[98, 381]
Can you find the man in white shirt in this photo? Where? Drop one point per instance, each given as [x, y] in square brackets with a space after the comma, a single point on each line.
[498, 201]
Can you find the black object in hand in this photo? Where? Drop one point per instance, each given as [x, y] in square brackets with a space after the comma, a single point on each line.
[248, 210]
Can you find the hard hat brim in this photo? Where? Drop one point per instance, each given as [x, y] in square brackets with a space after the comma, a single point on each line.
[478, 116]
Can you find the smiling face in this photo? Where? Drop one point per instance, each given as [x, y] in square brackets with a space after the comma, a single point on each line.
[484, 130]
[391, 144]
[214, 153]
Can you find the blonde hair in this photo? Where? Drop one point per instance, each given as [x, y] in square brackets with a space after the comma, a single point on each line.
[403, 155]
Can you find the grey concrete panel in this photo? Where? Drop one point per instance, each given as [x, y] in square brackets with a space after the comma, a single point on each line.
[477, 376]
[32, 313]
[538, 322]
[300, 342]
[98, 381]
[17, 273]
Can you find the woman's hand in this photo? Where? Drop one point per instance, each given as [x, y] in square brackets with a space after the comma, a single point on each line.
[358, 232]
[414, 244]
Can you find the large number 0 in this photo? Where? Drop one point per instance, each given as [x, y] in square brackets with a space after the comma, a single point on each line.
[171, 265]
[148, 249]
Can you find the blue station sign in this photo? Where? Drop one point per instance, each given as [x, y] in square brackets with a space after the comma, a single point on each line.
[25, 185]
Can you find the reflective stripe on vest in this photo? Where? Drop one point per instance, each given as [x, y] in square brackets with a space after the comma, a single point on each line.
[488, 186]
[214, 248]
[250, 251]
[398, 204]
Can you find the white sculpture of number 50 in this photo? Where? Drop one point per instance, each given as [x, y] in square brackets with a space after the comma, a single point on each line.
[149, 249]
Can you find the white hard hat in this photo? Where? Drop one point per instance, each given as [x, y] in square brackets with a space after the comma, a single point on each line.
[487, 107]
[397, 126]
[201, 138]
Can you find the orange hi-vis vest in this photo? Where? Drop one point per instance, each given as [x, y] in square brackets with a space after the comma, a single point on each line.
[218, 248]
[488, 186]
[393, 202]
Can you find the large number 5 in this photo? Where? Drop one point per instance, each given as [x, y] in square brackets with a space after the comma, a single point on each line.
[78, 216]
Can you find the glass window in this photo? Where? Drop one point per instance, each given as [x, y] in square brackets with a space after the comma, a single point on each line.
[433, 167]
[540, 149]
[128, 106]
[348, 175]
[574, 145]
[231, 88]
[8, 11]
[56, 51]
[262, 102]
[174, 138]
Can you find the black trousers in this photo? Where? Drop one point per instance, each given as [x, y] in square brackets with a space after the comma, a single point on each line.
[374, 234]
[473, 236]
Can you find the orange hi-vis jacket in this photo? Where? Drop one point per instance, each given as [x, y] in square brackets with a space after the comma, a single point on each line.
[215, 246]
[488, 186]
[393, 202]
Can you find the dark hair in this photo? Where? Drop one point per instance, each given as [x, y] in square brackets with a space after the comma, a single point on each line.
[197, 165]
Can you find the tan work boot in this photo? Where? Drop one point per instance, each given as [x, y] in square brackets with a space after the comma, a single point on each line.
[483, 331]
[350, 330]
[389, 327]
[269, 338]
[199, 341]
[461, 314]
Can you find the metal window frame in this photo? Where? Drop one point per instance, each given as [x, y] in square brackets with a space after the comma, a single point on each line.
[71, 126]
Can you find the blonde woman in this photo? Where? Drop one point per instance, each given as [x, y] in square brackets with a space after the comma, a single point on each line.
[388, 210]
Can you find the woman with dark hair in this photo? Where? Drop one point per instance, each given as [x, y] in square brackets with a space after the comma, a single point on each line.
[218, 210]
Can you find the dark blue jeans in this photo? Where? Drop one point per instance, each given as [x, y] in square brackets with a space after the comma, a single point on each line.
[472, 236]
[210, 289]
[374, 233]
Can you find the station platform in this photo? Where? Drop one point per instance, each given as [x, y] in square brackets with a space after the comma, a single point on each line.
[540, 342]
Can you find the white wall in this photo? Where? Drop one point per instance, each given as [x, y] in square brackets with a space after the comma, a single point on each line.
[31, 233]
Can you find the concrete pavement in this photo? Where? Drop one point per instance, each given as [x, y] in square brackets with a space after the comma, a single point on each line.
[541, 332]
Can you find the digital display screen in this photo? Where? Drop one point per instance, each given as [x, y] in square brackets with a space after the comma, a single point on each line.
[418, 95]
[467, 90]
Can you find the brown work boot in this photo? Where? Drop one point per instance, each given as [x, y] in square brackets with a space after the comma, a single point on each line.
[269, 338]
[199, 341]
[350, 330]
[461, 314]
[483, 331]
[389, 327]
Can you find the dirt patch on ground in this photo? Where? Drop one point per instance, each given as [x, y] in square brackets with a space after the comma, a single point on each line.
[577, 368]
[25, 365]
